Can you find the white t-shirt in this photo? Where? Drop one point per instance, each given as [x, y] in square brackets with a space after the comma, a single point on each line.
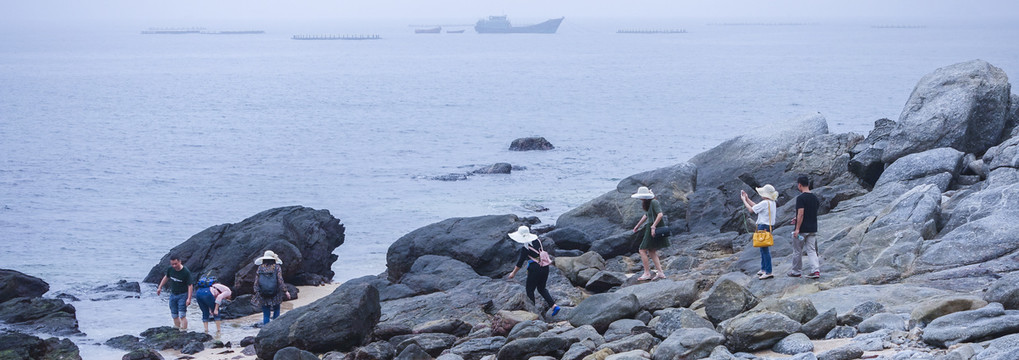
[764, 215]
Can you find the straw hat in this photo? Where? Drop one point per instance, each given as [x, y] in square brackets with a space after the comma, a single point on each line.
[643, 193]
[768, 192]
[523, 235]
[268, 255]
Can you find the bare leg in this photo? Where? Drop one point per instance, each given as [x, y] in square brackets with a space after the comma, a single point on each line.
[183, 323]
[658, 263]
[206, 324]
[217, 326]
[643, 260]
[176, 323]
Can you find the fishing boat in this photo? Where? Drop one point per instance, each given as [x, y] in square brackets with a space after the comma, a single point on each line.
[501, 25]
[461, 31]
[434, 30]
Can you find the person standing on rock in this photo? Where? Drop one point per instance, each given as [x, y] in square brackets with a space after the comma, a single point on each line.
[805, 235]
[765, 211]
[269, 286]
[650, 244]
[537, 274]
[210, 295]
[181, 290]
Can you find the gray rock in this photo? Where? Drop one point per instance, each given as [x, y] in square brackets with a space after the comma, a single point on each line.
[692, 343]
[570, 239]
[881, 321]
[523, 349]
[431, 273]
[873, 341]
[670, 320]
[988, 322]
[860, 312]
[449, 356]
[14, 345]
[866, 161]
[451, 177]
[643, 341]
[820, 325]
[413, 352]
[581, 334]
[841, 332]
[51, 316]
[475, 299]
[431, 343]
[721, 353]
[926, 312]
[350, 311]
[193, 347]
[728, 299]
[455, 327]
[167, 337]
[756, 331]
[963, 106]
[497, 168]
[621, 328]
[579, 350]
[580, 269]
[143, 354]
[799, 309]
[964, 352]
[1005, 291]
[480, 242]
[847, 352]
[661, 294]
[804, 356]
[1003, 348]
[919, 168]
[379, 350]
[125, 342]
[527, 329]
[387, 290]
[797, 343]
[475, 349]
[977, 241]
[15, 284]
[293, 353]
[600, 310]
[630, 355]
[605, 280]
[531, 143]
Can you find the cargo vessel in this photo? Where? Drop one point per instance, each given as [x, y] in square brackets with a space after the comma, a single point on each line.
[501, 25]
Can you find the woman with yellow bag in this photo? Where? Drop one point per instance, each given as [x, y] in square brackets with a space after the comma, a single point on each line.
[765, 211]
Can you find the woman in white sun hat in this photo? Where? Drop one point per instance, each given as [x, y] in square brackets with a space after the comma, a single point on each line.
[537, 275]
[650, 222]
[268, 293]
[765, 210]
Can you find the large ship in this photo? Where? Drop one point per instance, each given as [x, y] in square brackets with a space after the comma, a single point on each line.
[500, 25]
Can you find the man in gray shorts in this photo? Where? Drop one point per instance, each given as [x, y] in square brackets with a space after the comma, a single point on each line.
[805, 235]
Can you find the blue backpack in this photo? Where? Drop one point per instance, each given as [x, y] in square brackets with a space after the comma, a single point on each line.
[205, 281]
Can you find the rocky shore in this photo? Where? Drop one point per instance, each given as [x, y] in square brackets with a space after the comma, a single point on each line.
[918, 252]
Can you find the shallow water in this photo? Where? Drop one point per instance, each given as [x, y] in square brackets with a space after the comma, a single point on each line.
[118, 146]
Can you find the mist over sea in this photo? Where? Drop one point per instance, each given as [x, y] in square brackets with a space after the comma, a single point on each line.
[117, 146]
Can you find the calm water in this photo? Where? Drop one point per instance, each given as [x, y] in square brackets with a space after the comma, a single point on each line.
[118, 146]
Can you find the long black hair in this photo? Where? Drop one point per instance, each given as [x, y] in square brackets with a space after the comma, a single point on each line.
[645, 203]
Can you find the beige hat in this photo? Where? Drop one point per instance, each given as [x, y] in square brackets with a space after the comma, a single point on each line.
[268, 255]
[523, 235]
[643, 193]
[768, 192]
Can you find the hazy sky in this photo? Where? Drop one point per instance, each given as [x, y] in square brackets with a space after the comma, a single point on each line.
[190, 11]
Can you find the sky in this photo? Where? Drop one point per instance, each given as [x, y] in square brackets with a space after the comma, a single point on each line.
[190, 11]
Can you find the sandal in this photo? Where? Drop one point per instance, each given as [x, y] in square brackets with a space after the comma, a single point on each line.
[766, 276]
[759, 273]
[646, 276]
[659, 275]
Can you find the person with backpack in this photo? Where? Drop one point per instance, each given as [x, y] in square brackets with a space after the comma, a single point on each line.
[765, 211]
[650, 222]
[538, 261]
[269, 287]
[210, 294]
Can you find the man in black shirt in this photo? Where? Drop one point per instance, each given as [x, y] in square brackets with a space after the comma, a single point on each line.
[181, 290]
[805, 235]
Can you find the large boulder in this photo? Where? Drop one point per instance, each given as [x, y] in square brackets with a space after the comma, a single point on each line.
[349, 314]
[15, 284]
[671, 320]
[988, 322]
[1005, 291]
[866, 161]
[962, 106]
[431, 273]
[475, 300]
[1003, 348]
[168, 337]
[657, 295]
[600, 310]
[14, 345]
[304, 238]
[51, 316]
[799, 309]
[431, 343]
[988, 236]
[937, 166]
[523, 349]
[475, 349]
[580, 269]
[754, 331]
[929, 310]
[615, 213]
[480, 242]
[728, 299]
[820, 325]
[695, 343]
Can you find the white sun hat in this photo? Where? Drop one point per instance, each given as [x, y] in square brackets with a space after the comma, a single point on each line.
[268, 255]
[767, 191]
[643, 193]
[523, 235]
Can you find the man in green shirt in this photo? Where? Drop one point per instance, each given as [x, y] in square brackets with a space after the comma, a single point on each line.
[181, 289]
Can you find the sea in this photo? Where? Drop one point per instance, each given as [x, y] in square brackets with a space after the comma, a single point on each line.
[117, 146]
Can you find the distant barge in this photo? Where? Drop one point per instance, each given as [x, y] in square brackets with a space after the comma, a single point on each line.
[233, 32]
[172, 31]
[336, 37]
[652, 31]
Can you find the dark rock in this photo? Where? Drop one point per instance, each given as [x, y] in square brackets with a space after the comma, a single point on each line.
[193, 347]
[933, 309]
[797, 343]
[1005, 290]
[523, 349]
[475, 349]
[431, 273]
[14, 345]
[67, 297]
[866, 161]
[721, 353]
[671, 320]
[604, 280]
[579, 350]
[881, 321]
[304, 238]
[125, 342]
[431, 343]
[579, 270]
[728, 299]
[143, 354]
[293, 353]
[531, 143]
[642, 341]
[875, 340]
[1003, 348]
[379, 350]
[480, 242]
[600, 310]
[820, 325]
[122, 285]
[963, 106]
[350, 312]
[218, 344]
[847, 352]
[413, 352]
[14, 284]
[476, 300]
[239, 307]
[570, 239]
[455, 327]
[51, 316]
[661, 294]
[247, 340]
[862, 311]
[451, 177]
[168, 337]
[841, 332]
[695, 343]
[756, 331]
[497, 168]
[527, 329]
[988, 322]
[621, 328]
[249, 350]
[387, 290]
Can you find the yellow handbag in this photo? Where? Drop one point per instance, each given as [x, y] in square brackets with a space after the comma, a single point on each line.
[763, 238]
